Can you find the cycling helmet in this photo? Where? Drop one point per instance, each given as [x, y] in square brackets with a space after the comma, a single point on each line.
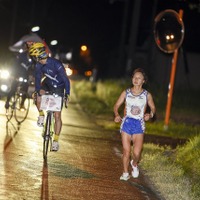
[37, 50]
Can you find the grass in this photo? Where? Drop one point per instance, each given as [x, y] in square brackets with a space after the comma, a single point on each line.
[167, 176]
[174, 172]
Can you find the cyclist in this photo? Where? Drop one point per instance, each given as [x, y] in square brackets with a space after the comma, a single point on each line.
[50, 75]
[23, 68]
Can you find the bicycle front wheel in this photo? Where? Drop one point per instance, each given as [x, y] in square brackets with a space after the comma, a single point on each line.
[21, 112]
[47, 136]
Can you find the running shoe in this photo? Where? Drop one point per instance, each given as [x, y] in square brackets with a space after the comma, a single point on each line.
[135, 172]
[124, 177]
[40, 121]
[55, 146]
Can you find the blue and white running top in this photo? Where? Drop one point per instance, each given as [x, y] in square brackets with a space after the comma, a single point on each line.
[135, 104]
[133, 121]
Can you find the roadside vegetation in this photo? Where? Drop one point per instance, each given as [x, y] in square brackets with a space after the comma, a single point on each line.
[175, 173]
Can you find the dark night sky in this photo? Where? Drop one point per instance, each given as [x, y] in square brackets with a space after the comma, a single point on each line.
[71, 22]
[96, 23]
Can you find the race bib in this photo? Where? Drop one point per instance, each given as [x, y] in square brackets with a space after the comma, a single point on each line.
[51, 103]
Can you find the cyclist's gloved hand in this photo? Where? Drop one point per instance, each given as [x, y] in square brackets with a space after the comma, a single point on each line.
[66, 100]
[36, 93]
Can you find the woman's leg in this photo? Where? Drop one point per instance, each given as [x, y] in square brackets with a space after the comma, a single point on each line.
[137, 147]
[126, 143]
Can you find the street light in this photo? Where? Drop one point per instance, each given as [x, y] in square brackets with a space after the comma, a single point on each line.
[69, 55]
[83, 48]
[84, 51]
[35, 29]
[54, 42]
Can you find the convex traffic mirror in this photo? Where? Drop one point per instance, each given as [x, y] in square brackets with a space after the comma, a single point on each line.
[168, 31]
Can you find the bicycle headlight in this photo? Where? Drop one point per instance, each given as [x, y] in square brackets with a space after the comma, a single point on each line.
[4, 88]
[21, 79]
[4, 74]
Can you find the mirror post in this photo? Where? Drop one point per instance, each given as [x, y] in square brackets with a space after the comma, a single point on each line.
[171, 84]
[170, 89]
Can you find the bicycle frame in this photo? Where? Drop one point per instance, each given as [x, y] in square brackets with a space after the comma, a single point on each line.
[50, 103]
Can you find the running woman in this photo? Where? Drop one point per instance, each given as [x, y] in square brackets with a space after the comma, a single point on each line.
[133, 122]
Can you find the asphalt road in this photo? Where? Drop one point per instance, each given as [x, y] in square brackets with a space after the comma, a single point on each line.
[87, 166]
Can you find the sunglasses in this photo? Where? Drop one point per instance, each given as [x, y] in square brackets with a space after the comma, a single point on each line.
[37, 58]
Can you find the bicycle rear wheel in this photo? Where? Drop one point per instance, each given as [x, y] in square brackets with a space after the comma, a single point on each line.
[21, 112]
[10, 109]
[47, 137]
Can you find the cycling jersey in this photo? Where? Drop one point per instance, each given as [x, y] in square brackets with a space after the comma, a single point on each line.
[55, 74]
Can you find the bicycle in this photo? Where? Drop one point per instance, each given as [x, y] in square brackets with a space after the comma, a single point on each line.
[50, 103]
[15, 104]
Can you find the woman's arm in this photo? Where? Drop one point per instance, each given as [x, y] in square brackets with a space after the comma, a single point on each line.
[152, 107]
[117, 105]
